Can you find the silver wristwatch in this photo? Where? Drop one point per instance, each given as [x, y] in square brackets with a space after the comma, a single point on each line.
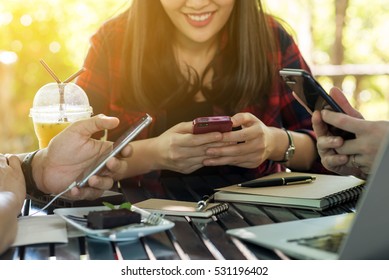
[289, 153]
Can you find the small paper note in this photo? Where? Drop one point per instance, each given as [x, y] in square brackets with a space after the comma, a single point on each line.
[40, 229]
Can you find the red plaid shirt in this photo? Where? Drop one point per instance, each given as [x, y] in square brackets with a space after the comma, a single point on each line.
[101, 81]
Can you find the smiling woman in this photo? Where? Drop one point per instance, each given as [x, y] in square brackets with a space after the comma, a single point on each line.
[182, 59]
[57, 31]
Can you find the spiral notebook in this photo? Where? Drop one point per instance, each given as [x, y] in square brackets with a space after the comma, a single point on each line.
[324, 192]
[181, 208]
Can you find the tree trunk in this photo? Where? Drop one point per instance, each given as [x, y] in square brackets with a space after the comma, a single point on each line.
[340, 15]
[338, 48]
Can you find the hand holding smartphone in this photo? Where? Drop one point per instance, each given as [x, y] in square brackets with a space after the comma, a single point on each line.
[118, 145]
[211, 124]
[95, 169]
[313, 96]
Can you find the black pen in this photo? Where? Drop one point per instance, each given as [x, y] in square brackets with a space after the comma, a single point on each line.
[277, 181]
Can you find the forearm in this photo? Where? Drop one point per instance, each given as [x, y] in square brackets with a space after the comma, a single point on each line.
[305, 149]
[143, 159]
[10, 207]
[305, 153]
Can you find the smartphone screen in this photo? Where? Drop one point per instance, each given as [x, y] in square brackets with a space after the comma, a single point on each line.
[212, 124]
[118, 145]
[312, 94]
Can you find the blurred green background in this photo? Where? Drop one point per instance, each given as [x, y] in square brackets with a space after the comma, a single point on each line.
[344, 41]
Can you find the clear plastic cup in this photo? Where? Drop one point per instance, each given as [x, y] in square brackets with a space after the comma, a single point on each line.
[55, 106]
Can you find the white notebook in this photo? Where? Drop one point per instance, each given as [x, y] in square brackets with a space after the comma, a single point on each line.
[324, 192]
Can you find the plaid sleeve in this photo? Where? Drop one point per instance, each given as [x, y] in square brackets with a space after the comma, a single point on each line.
[95, 79]
[101, 80]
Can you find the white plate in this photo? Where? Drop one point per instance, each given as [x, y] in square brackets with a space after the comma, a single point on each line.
[125, 233]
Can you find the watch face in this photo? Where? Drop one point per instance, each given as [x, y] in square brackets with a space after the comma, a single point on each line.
[289, 153]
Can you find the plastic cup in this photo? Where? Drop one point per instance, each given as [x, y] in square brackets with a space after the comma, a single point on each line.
[56, 106]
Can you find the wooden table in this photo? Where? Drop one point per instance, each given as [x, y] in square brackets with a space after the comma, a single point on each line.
[190, 238]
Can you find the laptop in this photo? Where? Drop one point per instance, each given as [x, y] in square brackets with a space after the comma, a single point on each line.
[360, 235]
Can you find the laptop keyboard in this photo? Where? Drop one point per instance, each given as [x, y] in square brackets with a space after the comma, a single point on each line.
[329, 242]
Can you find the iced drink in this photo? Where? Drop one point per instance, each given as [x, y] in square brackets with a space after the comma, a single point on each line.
[55, 108]
[46, 131]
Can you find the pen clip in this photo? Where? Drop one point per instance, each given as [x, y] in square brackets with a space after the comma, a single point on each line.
[202, 204]
[301, 182]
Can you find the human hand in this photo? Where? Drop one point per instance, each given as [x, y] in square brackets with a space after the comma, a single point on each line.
[326, 147]
[351, 157]
[12, 179]
[181, 151]
[71, 152]
[253, 139]
[177, 149]
[362, 150]
[12, 196]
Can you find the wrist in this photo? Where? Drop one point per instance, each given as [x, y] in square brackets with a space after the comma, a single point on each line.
[150, 158]
[289, 151]
[38, 169]
[157, 152]
[13, 200]
[142, 160]
[31, 174]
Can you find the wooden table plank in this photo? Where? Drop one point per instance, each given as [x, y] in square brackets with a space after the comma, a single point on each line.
[36, 252]
[131, 250]
[252, 214]
[99, 250]
[279, 214]
[161, 246]
[189, 240]
[68, 251]
[219, 242]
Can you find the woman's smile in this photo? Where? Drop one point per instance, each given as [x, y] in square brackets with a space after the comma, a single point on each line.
[199, 20]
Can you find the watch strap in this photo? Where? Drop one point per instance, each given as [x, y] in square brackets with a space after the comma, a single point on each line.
[31, 187]
[291, 148]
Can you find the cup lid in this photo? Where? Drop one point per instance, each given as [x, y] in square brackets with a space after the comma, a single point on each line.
[49, 95]
[47, 100]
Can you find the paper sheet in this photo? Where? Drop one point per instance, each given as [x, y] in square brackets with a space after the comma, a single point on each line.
[40, 229]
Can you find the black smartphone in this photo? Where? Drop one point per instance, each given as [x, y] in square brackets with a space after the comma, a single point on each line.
[211, 124]
[118, 145]
[312, 94]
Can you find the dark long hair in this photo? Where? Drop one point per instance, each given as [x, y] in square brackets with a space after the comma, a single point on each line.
[243, 69]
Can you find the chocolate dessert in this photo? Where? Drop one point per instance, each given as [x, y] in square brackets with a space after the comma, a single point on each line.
[112, 218]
